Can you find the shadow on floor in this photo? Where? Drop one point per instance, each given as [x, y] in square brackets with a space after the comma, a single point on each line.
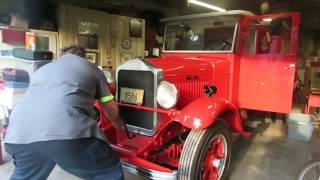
[269, 154]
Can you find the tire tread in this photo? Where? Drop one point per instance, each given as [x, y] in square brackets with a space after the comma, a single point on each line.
[193, 146]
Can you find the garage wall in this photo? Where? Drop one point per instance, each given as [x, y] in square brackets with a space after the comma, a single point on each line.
[68, 19]
[115, 44]
[124, 47]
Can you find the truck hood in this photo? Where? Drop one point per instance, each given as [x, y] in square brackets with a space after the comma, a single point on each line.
[191, 74]
[174, 66]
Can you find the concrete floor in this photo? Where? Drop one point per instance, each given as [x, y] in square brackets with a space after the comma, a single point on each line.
[266, 155]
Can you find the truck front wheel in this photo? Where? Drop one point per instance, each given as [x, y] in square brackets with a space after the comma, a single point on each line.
[206, 154]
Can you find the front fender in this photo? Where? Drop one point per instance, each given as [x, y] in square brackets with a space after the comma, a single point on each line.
[204, 111]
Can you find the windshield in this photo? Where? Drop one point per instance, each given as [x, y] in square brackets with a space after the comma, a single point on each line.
[200, 35]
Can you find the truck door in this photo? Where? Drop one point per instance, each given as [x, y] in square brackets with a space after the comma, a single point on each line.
[268, 61]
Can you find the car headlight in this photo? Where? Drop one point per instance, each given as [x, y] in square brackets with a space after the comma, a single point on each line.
[167, 95]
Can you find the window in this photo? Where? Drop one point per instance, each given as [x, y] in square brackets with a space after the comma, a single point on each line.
[201, 35]
[269, 36]
[42, 43]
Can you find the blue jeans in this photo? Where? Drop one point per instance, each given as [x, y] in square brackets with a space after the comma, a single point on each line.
[87, 158]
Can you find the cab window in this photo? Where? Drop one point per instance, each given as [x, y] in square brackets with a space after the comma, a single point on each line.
[268, 36]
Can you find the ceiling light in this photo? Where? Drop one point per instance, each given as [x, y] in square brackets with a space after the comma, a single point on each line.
[267, 19]
[203, 4]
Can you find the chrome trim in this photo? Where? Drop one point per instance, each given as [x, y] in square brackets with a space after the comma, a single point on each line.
[150, 174]
[164, 39]
[211, 14]
[142, 65]
[175, 90]
[255, 41]
[234, 36]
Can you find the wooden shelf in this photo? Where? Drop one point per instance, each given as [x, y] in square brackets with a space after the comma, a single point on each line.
[93, 50]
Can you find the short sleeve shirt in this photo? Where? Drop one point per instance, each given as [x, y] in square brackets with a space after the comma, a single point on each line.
[59, 101]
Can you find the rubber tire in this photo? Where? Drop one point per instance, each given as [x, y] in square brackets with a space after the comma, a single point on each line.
[307, 167]
[194, 150]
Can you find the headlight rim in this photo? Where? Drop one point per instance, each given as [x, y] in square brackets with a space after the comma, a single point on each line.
[175, 91]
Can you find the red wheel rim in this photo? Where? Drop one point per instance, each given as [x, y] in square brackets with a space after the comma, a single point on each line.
[215, 158]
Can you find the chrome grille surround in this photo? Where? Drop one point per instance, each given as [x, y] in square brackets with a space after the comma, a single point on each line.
[142, 65]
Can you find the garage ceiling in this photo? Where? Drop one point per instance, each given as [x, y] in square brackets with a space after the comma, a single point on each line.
[308, 8]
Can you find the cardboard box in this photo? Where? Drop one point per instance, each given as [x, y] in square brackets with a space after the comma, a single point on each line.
[13, 36]
[19, 22]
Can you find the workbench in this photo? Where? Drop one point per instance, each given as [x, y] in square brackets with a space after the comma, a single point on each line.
[313, 101]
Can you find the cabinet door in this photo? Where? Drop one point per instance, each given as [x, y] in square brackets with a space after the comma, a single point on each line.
[48, 41]
[91, 32]
[268, 62]
[87, 28]
[124, 45]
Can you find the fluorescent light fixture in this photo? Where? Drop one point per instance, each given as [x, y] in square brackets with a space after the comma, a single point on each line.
[203, 4]
[267, 19]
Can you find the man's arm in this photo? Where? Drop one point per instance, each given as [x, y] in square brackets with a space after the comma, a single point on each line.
[112, 111]
[106, 99]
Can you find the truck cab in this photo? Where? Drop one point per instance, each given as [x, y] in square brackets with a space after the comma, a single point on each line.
[181, 108]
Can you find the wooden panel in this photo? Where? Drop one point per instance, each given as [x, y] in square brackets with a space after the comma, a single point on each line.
[53, 40]
[124, 47]
[68, 29]
[113, 34]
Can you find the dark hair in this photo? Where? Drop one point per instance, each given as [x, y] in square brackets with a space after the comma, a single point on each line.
[75, 50]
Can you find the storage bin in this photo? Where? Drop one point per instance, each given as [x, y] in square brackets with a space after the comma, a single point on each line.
[15, 84]
[7, 52]
[15, 75]
[28, 54]
[29, 65]
[300, 126]
[11, 93]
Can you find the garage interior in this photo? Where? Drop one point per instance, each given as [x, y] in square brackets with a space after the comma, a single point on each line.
[106, 29]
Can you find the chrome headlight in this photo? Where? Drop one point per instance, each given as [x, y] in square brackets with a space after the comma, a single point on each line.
[167, 95]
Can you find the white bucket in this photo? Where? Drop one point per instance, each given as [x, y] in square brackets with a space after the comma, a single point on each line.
[300, 126]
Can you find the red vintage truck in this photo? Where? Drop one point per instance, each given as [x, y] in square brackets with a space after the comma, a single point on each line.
[180, 109]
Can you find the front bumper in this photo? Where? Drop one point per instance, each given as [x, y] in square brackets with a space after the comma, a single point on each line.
[150, 174]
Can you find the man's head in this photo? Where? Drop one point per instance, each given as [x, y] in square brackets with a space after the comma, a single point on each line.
[75, 50]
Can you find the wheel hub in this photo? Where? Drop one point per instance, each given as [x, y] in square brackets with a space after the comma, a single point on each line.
[216, 163]
[215, 158]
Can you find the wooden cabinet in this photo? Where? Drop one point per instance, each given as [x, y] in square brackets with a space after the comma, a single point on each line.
[123, 45]
[106, 37]
[86, 27]
[47, 41]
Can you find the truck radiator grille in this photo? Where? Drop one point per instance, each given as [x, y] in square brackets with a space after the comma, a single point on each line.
[138, 80]
[189, 91]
